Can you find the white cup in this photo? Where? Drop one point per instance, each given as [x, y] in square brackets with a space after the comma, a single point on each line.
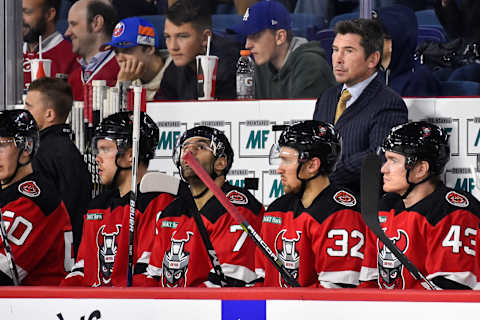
[206, 77]
[47, 67]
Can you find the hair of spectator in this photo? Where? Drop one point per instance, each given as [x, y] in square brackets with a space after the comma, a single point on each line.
[56, 4]
[370, 32]
[58, 94]
[107, 11]
[185, 11]
[289, 34]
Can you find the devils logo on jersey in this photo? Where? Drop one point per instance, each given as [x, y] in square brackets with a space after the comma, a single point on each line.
[107, 250]
[175, 262]
[29, 188]
[287, 253]
[389, 267]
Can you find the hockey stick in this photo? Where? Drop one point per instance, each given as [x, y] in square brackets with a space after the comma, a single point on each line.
[370, 186]
[8, 252]
[235, 213]
[133, 189]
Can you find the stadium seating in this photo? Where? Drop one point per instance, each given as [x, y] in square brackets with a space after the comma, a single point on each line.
[459, 88]
[427, 17]
[430, 33]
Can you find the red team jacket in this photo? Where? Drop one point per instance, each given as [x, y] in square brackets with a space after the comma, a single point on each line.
[437, 234]
[321, 246]
[179, 257]
[103, 254]
[59, 50]
[107, 70]
[39, 232]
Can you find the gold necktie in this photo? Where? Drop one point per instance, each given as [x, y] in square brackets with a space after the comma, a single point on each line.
[342, 104]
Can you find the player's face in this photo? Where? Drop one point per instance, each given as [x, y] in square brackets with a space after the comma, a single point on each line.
[34, 20]
[394, 173]
[288, 170]
[184, 42]
[350, 65]
[79, 30]
[202, 152]
[35, 102]
[107, 150]
[8, 158]
[262, 46]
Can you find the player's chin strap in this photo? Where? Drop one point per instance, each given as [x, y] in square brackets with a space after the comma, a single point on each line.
[303, 184]
[119, 168]
[412, 185]
[8, 180]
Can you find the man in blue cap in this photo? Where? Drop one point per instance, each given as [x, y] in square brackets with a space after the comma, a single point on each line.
[287, 66]
[135, 42]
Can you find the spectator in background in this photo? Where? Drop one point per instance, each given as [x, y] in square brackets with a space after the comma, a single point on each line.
[402, 74]
[460, 19]
[50, 102]
[187, 28]
[132, 8]
[362, 108]
[39, 18]
[137, 53]
[91, 24]
[287, 67]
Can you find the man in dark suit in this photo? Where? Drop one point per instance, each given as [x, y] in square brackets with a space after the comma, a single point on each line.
[362, 108]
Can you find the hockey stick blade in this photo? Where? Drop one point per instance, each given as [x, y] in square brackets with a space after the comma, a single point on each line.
[370, 187]
[155, 181]
[235, 213]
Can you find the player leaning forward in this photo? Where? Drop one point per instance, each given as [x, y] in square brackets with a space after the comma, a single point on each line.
[179, 256]
[433, 225]
[103, 253]
[35, 218]
[315, 229]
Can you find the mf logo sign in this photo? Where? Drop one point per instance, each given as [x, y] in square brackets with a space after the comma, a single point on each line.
[170, 132]
[236, 177]
[272, 187]
[255, 138]
[462, 179]
[451, 126]
[473, 136]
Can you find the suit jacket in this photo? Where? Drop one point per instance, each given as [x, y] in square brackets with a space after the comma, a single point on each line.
[362, 126]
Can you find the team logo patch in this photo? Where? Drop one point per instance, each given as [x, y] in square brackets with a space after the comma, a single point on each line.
[119, 29]
[29, 188]
[457, 199]
[237, 197]
[344, 198]
[426, 131]
[322, 131]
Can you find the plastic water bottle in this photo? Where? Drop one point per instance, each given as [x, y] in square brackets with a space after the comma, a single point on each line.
[245, 76]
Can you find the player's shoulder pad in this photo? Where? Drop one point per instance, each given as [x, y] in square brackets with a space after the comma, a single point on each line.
[104, 199]
[240, 196]
[145, 199]
[283, 203]
[391, 200]
[41, 191]
[345, 198]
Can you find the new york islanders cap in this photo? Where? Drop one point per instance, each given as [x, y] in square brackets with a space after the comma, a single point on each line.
[265, 14]
[132, 32]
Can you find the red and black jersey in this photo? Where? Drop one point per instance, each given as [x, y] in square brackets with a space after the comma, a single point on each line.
[39, 232]
[59, 50]
[107, 70]
[321, 246]
[103, 254]
[179, 256]
[437, 234]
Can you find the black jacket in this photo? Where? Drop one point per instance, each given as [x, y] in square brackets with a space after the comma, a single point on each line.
[59, 160]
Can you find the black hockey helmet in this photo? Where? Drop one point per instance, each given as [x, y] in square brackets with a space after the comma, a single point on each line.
[21, 126]
[218, 142]
[419, 141]
[119, 127]
[312, 138]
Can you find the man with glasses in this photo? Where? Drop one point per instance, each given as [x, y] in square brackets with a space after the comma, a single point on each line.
[315, 229]
[179, 256]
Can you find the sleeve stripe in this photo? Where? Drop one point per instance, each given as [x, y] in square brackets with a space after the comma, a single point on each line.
[4, 267]
[466, 278]
[346, 277]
